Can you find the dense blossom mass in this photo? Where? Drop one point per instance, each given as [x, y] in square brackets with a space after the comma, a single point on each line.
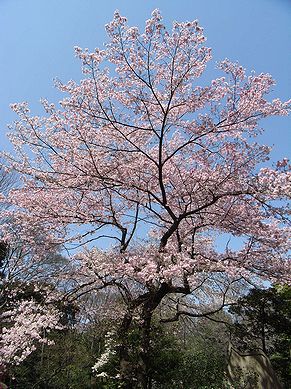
[143, 165]
[30, 320]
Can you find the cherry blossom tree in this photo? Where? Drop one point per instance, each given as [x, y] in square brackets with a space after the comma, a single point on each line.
[27, 299]
[139, 170]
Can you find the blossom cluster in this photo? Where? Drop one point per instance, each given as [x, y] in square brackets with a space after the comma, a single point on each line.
[25, 326]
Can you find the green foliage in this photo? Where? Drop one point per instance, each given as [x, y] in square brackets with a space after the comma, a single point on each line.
[196, 363]
[263, 320]
[66, 364]
[191, 361]
[243, 379]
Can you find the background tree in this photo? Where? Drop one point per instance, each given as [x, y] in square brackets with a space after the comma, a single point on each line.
[263, 321]
[143, 154]
[26, 287]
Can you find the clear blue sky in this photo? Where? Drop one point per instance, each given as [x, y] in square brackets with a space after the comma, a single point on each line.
[37, 39]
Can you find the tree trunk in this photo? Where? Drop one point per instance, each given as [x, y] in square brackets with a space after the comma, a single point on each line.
[125, 368]
[145, 343]
[135, 374]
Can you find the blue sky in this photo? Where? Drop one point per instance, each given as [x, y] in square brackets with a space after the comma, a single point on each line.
[37, 39]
